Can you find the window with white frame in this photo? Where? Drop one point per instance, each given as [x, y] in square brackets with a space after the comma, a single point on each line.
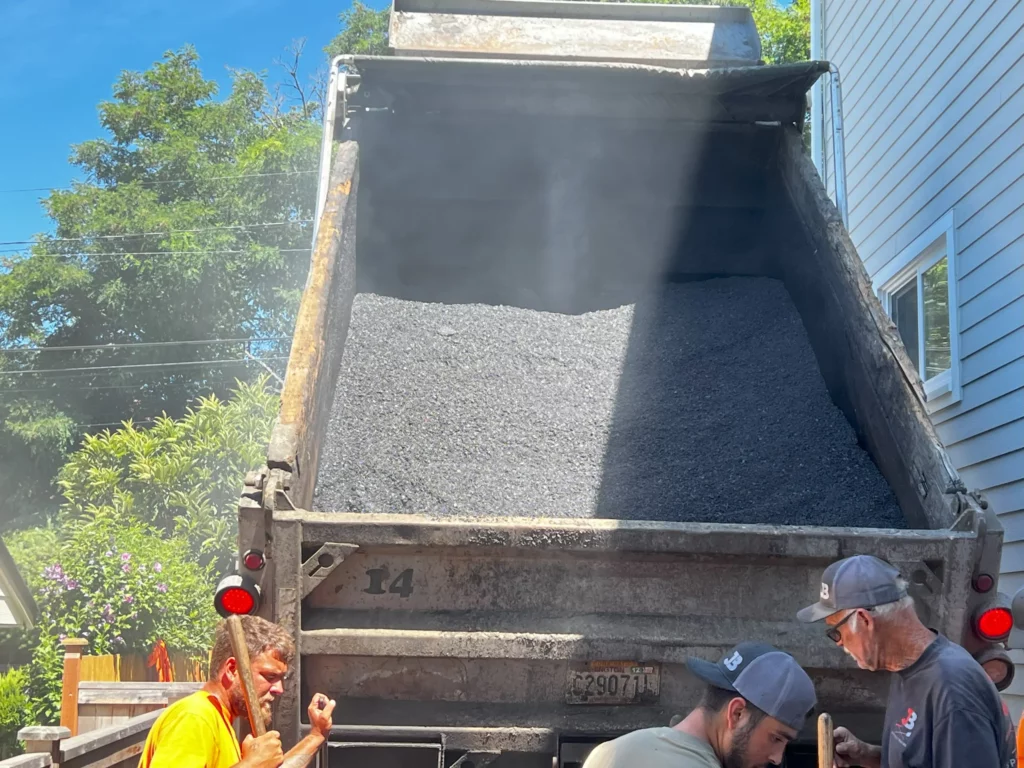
[918, 290]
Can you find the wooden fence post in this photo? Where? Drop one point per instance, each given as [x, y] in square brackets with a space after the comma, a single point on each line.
[73, 649]
[44, 739]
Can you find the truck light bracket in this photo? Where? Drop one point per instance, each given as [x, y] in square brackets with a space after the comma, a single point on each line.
[322, 564]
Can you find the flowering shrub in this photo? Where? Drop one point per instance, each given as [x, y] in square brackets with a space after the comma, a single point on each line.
[122, 586]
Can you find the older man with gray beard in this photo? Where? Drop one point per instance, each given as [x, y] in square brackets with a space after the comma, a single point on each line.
[943, 710]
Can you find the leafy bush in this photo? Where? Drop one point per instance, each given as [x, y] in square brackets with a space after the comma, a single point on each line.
[182, 476]
[147, 524]
[14, 704]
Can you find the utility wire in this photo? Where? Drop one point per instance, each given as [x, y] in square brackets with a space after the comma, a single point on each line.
[137, 385]
[117, 423]
[153, 253]
[141, 344]
[154, 234]
[183, 364]
[159, 183]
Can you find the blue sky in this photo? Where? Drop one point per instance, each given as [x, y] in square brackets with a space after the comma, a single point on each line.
[60, 58]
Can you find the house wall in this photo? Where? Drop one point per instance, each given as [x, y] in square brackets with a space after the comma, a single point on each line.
[933, 111]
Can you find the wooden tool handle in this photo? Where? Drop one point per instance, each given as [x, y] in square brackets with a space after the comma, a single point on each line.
[826, 741]
[240, 651]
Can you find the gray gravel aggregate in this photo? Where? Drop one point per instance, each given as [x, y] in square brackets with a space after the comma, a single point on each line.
[701, 402]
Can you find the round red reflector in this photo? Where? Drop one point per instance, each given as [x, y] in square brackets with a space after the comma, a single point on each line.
[237, 600]
[995, 623]
[253, 560]
[984, 583]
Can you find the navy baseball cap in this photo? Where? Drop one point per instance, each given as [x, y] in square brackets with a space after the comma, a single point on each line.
[861, 581]
[766, 677]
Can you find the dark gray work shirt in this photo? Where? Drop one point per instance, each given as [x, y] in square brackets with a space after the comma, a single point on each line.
[944, 712]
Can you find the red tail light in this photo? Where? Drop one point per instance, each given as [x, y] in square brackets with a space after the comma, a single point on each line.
[994, 623]
[238, 595]
[254, 560]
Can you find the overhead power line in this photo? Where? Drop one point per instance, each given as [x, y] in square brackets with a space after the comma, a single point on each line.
[87, 369]
[137, 385]
[143, 344]
[117, 423]
[167, 181]
[154, 253]
[155, 234]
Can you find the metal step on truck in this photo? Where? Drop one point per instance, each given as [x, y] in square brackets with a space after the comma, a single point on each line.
[587, 377]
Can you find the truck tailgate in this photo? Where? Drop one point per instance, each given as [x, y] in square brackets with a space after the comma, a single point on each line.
[492, 623]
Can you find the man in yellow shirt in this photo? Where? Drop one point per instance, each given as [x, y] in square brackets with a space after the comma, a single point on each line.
[197, 732]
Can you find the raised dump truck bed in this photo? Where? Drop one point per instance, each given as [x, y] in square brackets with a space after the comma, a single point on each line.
[634, 270]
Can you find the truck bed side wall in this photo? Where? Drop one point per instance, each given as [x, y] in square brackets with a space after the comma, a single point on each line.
[862, 358]
[323, 314]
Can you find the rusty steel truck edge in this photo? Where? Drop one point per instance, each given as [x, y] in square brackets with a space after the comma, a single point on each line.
[672, 154]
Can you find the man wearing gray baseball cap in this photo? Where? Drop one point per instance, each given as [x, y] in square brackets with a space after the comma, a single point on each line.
[757, 699]
[943, 710]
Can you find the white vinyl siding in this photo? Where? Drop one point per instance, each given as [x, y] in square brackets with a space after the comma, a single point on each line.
[933, 98]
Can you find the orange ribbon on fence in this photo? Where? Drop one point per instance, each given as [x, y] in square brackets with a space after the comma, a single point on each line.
[159, 659]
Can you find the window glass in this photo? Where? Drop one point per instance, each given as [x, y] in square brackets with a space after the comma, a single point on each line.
[904, 315]
[936, 319]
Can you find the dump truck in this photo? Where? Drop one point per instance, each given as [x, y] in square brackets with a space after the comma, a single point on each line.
[587, 378]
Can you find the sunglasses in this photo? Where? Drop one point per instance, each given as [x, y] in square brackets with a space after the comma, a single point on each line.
[833, 632]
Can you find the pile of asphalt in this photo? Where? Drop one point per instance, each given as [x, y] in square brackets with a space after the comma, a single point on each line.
[702, 402]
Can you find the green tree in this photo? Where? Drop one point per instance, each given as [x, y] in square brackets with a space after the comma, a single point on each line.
[193, 223]
[364, 32]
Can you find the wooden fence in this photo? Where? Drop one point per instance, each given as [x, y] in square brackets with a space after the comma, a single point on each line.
[109, 704]
[116, 746]
[104, 691]
[102, 704]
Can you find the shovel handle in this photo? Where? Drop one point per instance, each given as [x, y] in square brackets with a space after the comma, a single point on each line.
[240, 650]
[826, 741]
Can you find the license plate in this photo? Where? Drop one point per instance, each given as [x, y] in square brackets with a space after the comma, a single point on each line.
[613, 682]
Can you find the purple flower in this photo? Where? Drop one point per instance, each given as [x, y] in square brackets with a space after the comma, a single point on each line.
[107, 614]
[119, 640]
[129, 599]
[71, 584]
[63, 637]
[157, 567]
[161, 587]
[53, 572]
[110, 553]
[126, 557]
[126, 568]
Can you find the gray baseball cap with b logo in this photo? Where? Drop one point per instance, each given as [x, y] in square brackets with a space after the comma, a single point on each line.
[768, 678]
[861, 581]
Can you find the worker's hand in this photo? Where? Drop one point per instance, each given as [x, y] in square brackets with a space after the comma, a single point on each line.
[851, 751]
[262, 751]
[320, 719]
